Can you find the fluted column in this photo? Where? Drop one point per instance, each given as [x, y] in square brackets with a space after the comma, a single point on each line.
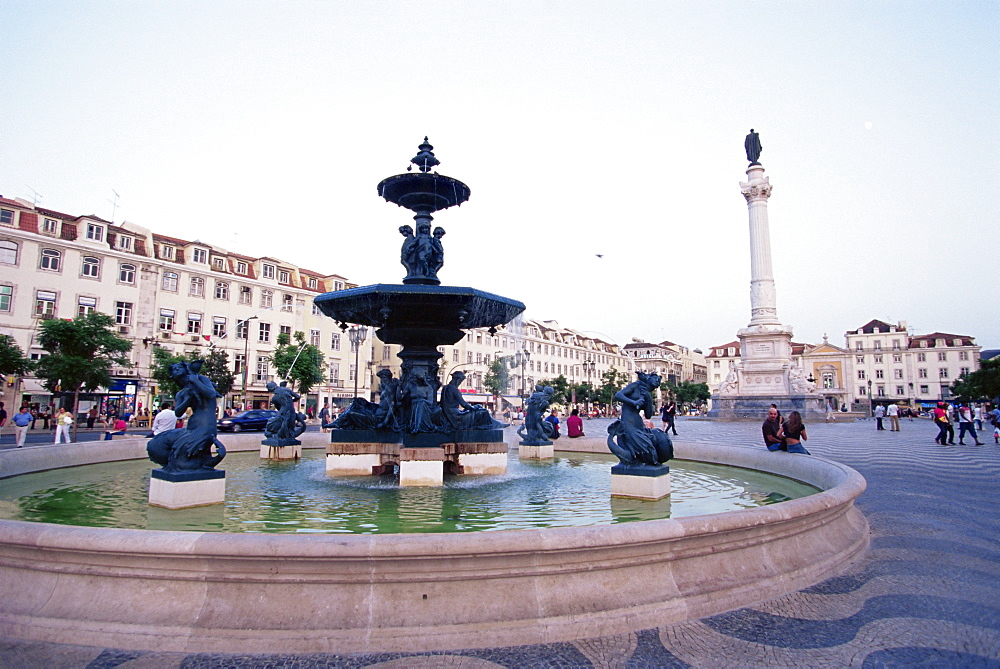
[763, 300]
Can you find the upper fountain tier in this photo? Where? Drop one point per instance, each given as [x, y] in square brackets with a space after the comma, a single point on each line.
[424, 192]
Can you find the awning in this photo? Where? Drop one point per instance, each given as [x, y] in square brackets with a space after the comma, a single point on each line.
[511, 400]
[34, 387]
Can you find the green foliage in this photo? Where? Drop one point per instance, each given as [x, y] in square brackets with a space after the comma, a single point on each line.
[611, 382]
[497, 377]
[561, 387]
[12, 360]
[81, 352]
[300, 363]
[982, 384]
[215, 367]
[585, 392]
[687, 392]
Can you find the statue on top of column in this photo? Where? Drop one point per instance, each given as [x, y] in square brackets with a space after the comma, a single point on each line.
[753, 147]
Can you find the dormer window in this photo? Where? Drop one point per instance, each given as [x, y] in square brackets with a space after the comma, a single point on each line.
[267, 271]
[200, 256]
[7, 216]
[95, 232]
[50, 226]
[923, 343]
[241, 268]
[312, 282]
[939, 342]
[124, 243]
[218, 264]
[283, 276]
[956, 342]
[167, 252]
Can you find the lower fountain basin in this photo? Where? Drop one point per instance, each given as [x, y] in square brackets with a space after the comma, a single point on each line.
[191, 591]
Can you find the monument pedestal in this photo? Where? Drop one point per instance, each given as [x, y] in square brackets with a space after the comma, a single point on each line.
[640, 482]
[185, 490]
[280, 449]
[421, 467]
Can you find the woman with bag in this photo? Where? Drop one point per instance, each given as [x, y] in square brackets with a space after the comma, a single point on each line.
[63, 420]
[943, 424]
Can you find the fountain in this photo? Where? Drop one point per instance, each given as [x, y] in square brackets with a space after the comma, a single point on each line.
[410, 429]
[246, 593]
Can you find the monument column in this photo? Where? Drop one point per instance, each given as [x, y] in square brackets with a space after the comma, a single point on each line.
[763, 301]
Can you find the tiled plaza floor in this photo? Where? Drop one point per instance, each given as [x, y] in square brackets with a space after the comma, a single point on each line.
[926, 594]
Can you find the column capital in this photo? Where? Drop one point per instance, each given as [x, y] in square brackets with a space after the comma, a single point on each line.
[756, 189]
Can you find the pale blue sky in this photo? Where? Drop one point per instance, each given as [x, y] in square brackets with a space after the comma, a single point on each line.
[581, 128]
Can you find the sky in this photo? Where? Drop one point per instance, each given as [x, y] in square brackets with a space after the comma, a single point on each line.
[602, 142]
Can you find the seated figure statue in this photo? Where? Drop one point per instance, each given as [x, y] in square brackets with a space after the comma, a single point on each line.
[366, 415]
[473, 417]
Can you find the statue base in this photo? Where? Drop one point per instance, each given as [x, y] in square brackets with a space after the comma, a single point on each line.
[525, 452]
[640, 481]
[172, 490]
[754, 407]
[421, 467]
[280, 449]
[482, 464]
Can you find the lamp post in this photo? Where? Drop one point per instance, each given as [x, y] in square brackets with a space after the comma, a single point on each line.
[357, 336]
[525, 357]
[589, 366]
[871, 400]
[246, 355]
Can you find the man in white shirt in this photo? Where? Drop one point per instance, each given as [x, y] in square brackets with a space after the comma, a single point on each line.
[893, 413]
[165, 420]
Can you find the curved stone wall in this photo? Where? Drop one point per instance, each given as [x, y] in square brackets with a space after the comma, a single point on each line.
[189, 591]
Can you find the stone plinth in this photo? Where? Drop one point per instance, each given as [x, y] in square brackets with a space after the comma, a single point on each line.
[280, 449]
[641, 482]
[748, 407]
[535, 452]
[421, 467]
[363, 464]
[491, 464]
[183, 491]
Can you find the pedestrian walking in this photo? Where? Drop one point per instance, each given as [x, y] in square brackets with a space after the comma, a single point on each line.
[63, 420]
[893, 413]
[965, 425]
[324, 416]
[879, 415]
[944, 425]
[22, 421]
[669, 415]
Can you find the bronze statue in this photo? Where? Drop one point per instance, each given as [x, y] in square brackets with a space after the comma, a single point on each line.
[753, 147]
[535, 431]
[287, 424]
[628, 438]
[452, 403]
[421, 412]
[189, 448]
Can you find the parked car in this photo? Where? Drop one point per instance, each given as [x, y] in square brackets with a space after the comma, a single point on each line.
[255, 419]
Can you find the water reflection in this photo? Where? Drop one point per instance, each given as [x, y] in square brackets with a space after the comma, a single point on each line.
[288, 496]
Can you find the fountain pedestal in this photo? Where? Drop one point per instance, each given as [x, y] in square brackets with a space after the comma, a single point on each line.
[187, 490]
[546, 452]
[280, 449]
[641, 482]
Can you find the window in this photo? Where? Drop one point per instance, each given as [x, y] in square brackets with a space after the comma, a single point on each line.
[468, 357]
[942, 356]
[50, 226]
[8, 253]
[314, 337]
[283, 277]
[286, 302]
[312, 282]
[454, 355]
[222, 290]
[50, 260]
[963, 355]
[859, 347]
[241, 267]
[351, 372]
[264, 333]
[338, 285]
[85, 305]
[242, 329]
[862, 391]
[315, 310]
[45, 304]
[7, 216]
[6, 295]
[123, 313]
[267, 271]
[334, 373]
[218, 264]
[939, 342]
[878, 359]
[170, 281]
[194, 322]
[828, 379]
[219, 326]
[922, 373]
[895, 344]
[126, 273]
[878, 374]
[923, 343]
[943, 373]
[124, 242]
[899, 390]
[861, 374]
[266, 298]
[921, 357]
[956, 342]
[95, 233]
[239, 363]
[197, 287]
[262, 369]
[963, 371]
[335, 341]
[877, 344]
[924, 390]
[285, 330]
[246, 295]
[91, 267]
[166, 320]
[386, 352]
[897, 373]
[880, 391]
[200, 256]
[167, 252]
[896, 357]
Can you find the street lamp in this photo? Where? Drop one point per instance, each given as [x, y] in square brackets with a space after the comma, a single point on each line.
[246, 355]
[589, 367]
[871, 400]
[357, 336]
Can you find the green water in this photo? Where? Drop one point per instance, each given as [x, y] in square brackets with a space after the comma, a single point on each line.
[571, 490]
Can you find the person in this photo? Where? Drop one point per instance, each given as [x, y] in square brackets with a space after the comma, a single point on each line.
[119, 427]
[893, 413]
[977, 413]
[669, 413]
[831, 413]
[165, 420]
[574, 424]
[3, 416]
[943, 424]
[91, 417]
[794, 433]
[553, 419]
[22, 421]
[965, 425]
[879, 415]
[324, 416]
[771, 430]
[753, 147]
[63, 420]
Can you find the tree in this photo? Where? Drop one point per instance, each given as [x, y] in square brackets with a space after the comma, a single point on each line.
[561, 387]
[215, 367]
[611, 382]
[496, 378]
[687, 392]
[982, 384]
[12, 360]
[302, 363]
[81, 353]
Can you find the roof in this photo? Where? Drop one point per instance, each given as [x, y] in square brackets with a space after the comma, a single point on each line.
[932, 338]
[873, 326]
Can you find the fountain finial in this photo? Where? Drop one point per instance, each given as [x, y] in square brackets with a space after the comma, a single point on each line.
[425, 160]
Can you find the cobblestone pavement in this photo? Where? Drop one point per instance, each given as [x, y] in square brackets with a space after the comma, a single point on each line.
[926, 594]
